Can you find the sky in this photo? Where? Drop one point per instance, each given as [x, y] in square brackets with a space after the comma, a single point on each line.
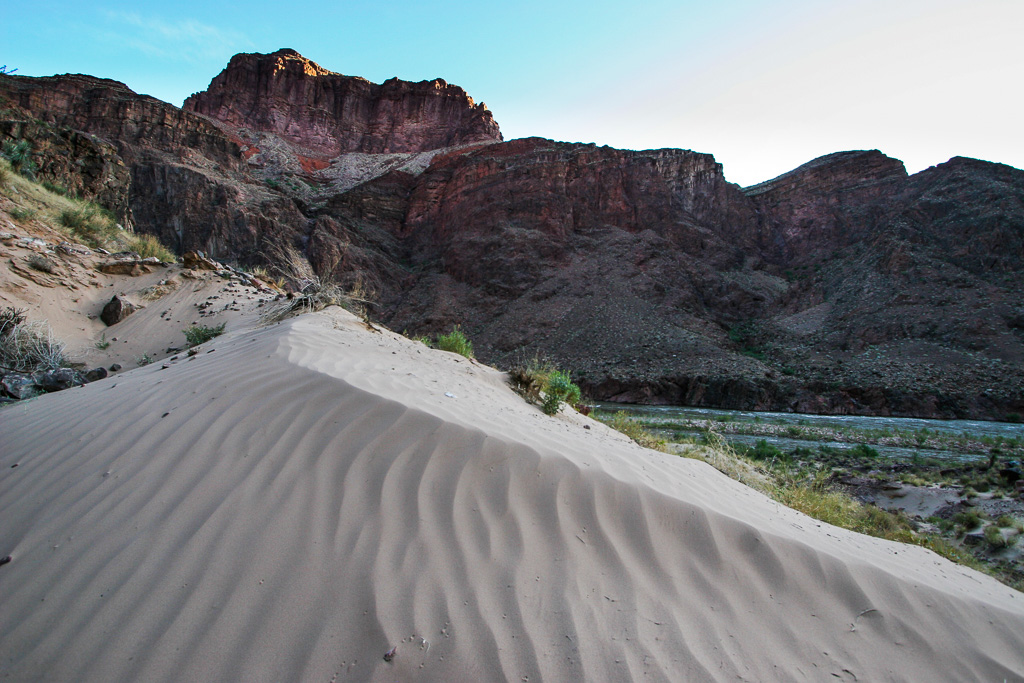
[764, 86]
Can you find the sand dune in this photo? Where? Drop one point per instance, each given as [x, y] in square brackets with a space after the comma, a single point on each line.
[296, 501]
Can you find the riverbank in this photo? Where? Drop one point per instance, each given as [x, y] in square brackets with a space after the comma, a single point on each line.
[938, 484]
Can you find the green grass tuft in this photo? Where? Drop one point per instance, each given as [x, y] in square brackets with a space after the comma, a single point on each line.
[456, 342]
[147, 246]
[198, 334]
[559, 389]
[636, 431]
[90, 223]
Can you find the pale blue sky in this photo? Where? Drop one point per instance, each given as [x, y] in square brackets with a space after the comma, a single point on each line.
[764, 86]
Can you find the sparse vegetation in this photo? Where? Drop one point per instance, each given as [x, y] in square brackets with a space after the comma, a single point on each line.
[58, 189]
[147, 246]
[90, 223]
[80, 220]
[144, 359]
[456, 342]
[540, 381]
[28, 346]
[315, 292]
[20, 214]
[811, 480]
[102, 344]
[19, 156]
[621, 422]
[199, 334]
[559, 389]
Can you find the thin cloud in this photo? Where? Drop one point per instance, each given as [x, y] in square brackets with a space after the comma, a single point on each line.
[184, 40]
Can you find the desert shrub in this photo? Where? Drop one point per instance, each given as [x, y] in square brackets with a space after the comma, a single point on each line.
[198, 334]
[995, 537]
[762, 450]
[315, 292]
[41, 263]
[538, 380]
[28, 346]
[862, 450]
[528, 377]
[147, 246]
[19, 155]
[559, 389]
[968, 520]
[90, 223]
[20, 214]
[456, 342]
[5, 176]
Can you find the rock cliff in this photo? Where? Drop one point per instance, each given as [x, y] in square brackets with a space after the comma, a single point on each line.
[187, 181]
[288, 95]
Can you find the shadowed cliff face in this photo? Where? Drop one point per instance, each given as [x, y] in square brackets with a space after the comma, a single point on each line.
[843, 286]
[186, 181]
[288, 95]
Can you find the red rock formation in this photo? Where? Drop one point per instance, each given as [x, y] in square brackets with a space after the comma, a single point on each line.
[817, 208]
[286, 94]
[551, 191]
[112, 111]
[82, 164]
[189, 183]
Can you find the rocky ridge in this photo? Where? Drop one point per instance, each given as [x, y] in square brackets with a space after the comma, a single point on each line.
[328, 113]
[844, 286]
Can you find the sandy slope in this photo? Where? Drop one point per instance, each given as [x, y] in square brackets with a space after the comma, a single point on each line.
[295, 501]
[71, 298]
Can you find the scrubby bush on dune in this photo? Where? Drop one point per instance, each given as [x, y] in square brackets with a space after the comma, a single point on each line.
[540, 381]
[456, 342]
[315, 292]
[199, 334]
[558, 390]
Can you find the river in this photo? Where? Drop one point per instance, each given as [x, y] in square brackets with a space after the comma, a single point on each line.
[968, 428]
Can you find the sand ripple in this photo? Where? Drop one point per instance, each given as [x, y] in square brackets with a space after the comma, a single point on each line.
[305, 498]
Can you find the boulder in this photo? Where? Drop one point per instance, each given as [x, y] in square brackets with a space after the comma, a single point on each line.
[116, 310]
[19, 385]
[95, 374]
[133, 268]
[58, 380]
[197, 260]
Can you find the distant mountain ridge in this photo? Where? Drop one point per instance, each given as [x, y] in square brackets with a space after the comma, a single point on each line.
[843, 286]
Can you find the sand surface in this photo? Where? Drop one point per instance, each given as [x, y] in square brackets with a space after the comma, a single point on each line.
[298, 500]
